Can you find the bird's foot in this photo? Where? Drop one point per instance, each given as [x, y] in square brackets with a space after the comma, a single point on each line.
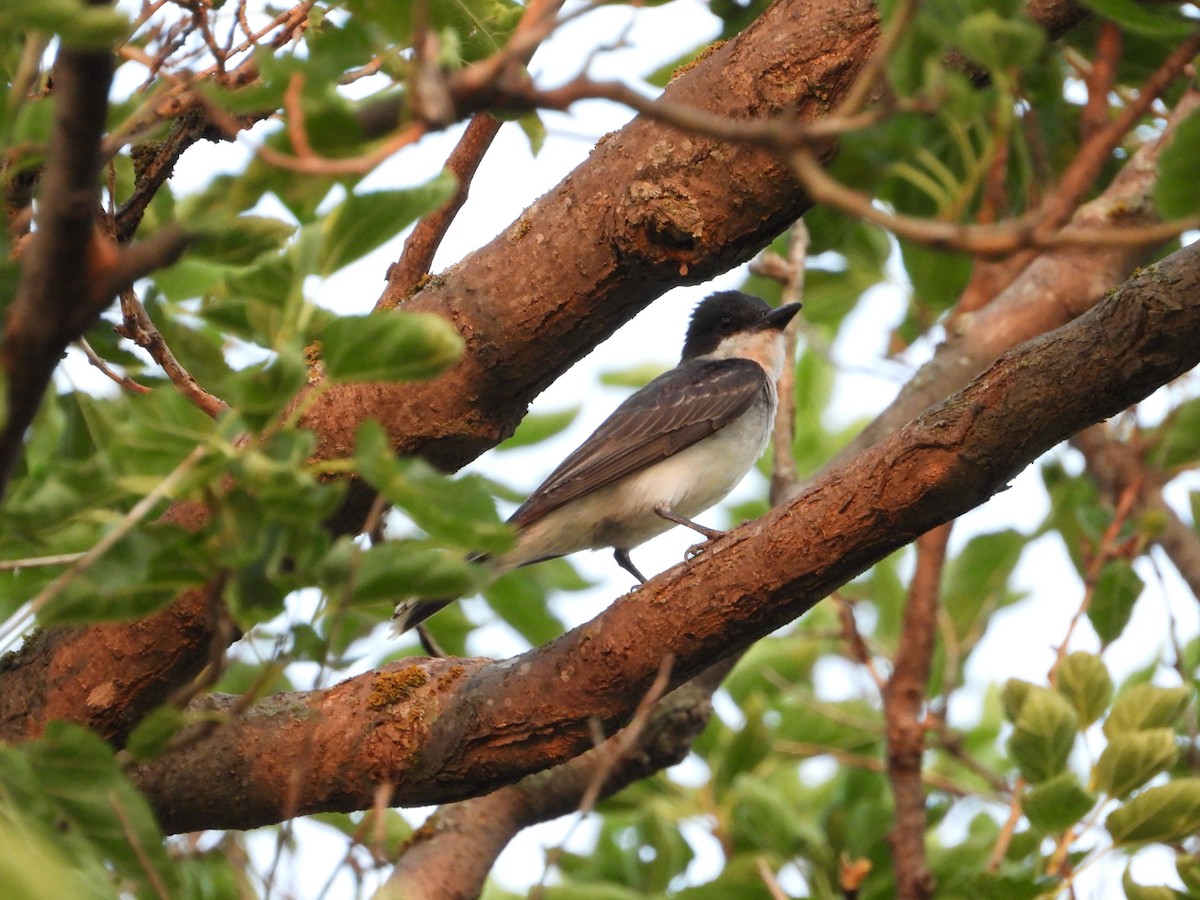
[693, 551]
[665, 512]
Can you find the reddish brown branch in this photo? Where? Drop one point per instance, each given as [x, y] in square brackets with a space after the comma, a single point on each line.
[1095, 152]
[154, 162]
[138, 327]
[443, 729]
[417, 256]
[1100, 80]
[55, 303]
[452, 854]
[903, 700]
[687, 211]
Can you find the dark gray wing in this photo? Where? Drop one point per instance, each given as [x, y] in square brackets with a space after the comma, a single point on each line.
[672, 412]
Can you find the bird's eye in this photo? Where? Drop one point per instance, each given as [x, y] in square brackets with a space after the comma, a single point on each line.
[726, 323]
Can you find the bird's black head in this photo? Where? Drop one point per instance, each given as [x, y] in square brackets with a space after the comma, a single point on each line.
[727, 313]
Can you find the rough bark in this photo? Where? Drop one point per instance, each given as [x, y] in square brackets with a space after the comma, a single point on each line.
[649, 209]
[440, 730]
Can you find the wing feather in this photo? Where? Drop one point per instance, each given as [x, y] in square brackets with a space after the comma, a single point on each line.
[672, 412]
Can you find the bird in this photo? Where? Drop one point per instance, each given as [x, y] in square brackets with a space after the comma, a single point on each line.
[670, 451]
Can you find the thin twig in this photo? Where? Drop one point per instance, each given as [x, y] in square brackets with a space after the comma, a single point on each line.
[34, 562]
[614, 751]
[138, 327]
[867, 763]
[769, 879]
[1108, 549]
[1009, 828]
[790, 273]
[131, 836]
[417, 256]
[123, 380]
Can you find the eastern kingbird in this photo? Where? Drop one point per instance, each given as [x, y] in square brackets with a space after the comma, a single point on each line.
[668, 453]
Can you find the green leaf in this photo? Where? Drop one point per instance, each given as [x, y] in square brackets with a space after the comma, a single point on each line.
[1169, 812]
[636, 376]
[1015, 692]
[537, 427]
[79, 775]
[1177, 192]
[261, 392]
[1188, 869]
[397, 570]
[1135, 891]
[1146, 706]
[140, 574]
[1043, 734]
[976, 581]
[362, 222]
[577, 890]
[519, 598]
[151, 735]
[772, 665]
[1117, 589]
[1177, 440]
[762, 819]
[938, 277]
[34, 866]
[999, 44]
[1163, 22]
[239, 241]
[388, 346]
[79, 24]
[458, 511]
[534, 129]
[1132, 758]
[740, 750]
[1057, 804]
[1083, 679]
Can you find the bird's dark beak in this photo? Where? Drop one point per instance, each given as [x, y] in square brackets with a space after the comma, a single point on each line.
[778, 318]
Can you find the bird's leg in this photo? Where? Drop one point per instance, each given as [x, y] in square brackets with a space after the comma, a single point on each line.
[670, 515]
[623, 560]
[431, 647]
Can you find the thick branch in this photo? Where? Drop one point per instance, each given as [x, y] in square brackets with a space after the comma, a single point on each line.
[54, 302]
[452, 854]
[440, 730]
[650, 208]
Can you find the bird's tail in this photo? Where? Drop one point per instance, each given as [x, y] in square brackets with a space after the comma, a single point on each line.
[412, 611]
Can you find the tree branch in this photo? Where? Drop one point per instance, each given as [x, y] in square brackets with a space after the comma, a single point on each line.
[659, 208]
[443, 729]
[461, 841]
[903, 699]
[54, 303]
[1051, 291]
[421, 245]
[1116, 468]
